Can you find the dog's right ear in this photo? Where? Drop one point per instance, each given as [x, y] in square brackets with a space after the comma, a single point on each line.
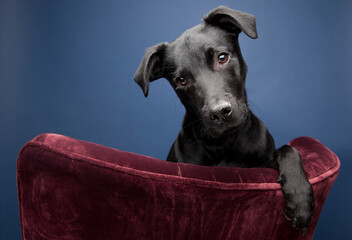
[150, 68]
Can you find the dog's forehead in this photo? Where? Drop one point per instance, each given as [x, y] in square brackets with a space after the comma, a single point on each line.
[193, 42]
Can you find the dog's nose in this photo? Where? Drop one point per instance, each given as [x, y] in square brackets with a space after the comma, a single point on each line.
[220, 112]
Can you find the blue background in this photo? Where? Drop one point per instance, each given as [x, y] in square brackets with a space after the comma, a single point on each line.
[67, 67]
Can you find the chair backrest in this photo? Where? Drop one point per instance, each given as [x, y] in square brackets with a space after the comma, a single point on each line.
[72, 189]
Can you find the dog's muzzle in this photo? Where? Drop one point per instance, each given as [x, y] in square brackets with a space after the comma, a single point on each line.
[221, 112]
[223, 117]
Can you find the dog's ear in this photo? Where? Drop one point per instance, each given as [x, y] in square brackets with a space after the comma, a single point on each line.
[150, 68]
[232, 21]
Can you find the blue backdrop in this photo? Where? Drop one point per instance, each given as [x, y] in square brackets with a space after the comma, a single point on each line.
[67, 67]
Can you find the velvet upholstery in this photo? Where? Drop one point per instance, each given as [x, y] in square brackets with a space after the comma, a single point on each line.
[72, 189]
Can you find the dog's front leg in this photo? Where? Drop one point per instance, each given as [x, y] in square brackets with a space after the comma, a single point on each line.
[298, 193]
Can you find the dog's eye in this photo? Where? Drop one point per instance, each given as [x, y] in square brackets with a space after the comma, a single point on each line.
[223, 58]
[181, 81]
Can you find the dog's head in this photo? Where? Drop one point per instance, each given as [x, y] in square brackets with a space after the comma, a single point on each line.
[206, 69]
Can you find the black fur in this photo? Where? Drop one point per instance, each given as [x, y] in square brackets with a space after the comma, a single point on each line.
[208, 73]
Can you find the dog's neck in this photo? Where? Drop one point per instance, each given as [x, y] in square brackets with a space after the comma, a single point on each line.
[233, 144]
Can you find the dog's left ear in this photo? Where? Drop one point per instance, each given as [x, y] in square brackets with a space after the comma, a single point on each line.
[232, 21]
[150, 68]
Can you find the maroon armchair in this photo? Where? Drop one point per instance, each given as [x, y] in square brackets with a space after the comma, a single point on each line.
[72, 189]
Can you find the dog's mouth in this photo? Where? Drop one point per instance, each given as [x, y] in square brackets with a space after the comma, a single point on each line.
[224, 128]
[217, 131]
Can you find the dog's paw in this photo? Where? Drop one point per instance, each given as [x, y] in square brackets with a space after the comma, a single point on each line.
[299, 203]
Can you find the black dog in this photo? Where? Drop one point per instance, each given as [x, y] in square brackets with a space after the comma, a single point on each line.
[207, 71]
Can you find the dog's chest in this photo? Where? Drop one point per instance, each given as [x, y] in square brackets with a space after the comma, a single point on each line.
[224, 156]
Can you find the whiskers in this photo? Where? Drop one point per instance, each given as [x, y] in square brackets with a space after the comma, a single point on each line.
[198, 122]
